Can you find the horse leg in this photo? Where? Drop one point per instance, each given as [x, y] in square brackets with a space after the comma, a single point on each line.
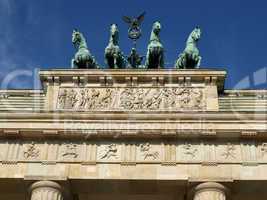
[73, 64]
[108, 61]
[115, 62]
[159, 61]
[124, 62]
[162, 61]
[95, 65]
[177, 65]
[147, 59]
[184, 62]
[199, 62]
[87, 65]
[180, 63]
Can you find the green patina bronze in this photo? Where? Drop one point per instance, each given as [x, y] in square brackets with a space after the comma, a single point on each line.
[134, 59]
[190, 57]
[113, 55]
[83, 57]
[134, 23]
[155, 50]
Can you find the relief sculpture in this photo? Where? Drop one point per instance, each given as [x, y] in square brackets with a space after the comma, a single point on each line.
[135, 152]
[70, 151]
[147, 151]
[190, 150]
[31, 151]
[263, 149]
[131, 99]
[110, 151]
[229, 151]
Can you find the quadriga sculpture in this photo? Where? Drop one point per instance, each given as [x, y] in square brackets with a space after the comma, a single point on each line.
[190, 57]
[83, 58]
[113, 55]
[155, 50]
[134, 59]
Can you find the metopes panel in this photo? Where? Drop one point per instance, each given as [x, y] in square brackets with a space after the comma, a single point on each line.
[139, 151]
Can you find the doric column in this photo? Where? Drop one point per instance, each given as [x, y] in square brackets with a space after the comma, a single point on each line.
[210, 191]
[46, 190]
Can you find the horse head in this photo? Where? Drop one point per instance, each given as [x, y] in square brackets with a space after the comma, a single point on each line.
[156, 27]
[76, 36]
[196, 34]
[114, 34]
[78, 39]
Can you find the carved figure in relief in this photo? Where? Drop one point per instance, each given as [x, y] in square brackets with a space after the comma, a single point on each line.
[264, 149]
[229, 151]
[110, 151]
[197, 98]
[93, 102]
[87, 98]
[189, 98]
[31, 151]
[107, 98]
[169, 98]
[70, 150]
[82, 99]
[62, 98]
[131, 98]
[190, 150]
[127, 99]
[154, 101]
[138, 97]
[147, 152]
[185, 97]
[71, 99]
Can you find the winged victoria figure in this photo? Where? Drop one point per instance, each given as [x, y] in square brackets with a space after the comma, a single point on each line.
[134, 23]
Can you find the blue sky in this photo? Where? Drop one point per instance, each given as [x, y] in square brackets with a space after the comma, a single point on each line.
[37, 34]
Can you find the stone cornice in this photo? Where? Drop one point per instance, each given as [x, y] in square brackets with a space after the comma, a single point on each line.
[245, 92]
[133, 77]
[151, 115]
[125, 72]
[146, 134]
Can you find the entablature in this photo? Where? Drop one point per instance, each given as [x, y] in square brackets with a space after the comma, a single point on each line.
[108, 77]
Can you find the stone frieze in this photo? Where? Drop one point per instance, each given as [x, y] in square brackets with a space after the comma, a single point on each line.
[171, 152]
[179, 98]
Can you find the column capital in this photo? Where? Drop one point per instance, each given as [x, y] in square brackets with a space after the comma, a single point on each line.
[210, 191]
[46, 190]
[210, 186]
[45, 184]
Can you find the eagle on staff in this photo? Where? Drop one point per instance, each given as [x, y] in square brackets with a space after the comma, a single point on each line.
[134, 24]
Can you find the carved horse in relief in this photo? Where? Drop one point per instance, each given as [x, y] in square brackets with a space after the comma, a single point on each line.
[83, 57]
[147, 152]
[113, 55]
[190, 57]
[155, 50]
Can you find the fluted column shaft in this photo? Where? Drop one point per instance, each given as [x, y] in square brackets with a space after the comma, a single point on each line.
[46, 190]
[210, 191]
